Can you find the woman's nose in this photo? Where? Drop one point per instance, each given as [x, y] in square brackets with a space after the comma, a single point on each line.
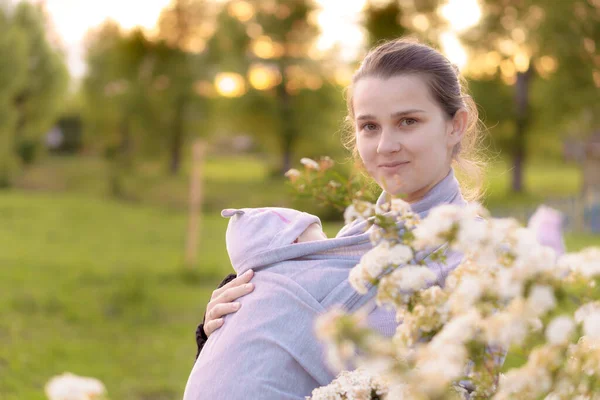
[388, 143]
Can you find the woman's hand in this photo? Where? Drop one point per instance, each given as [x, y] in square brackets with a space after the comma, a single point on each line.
[222, 301]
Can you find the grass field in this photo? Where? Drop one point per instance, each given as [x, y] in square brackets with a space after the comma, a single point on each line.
[244, 181]
[96, 286]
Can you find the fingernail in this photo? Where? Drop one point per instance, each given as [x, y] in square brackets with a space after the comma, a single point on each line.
[249, 285]
[236, 306]
[219, 321]
[249, 272]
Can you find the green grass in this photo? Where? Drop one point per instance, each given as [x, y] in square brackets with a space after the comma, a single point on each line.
[241, 181]
[98, 288]
[542, 180]
[245, 181]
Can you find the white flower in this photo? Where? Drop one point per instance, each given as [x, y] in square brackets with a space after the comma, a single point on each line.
[466, 294]
[458, 330]
[541, 299]
[412, 278]
[292, 174]
[354, 385]
[585, 310]
[376, 234]
[525, 242]
[436, 227]
[326, 324]
[559, 330]
[507, 286]
[357, 280]
[400, 206]
[350, 215]
[72, 387]
[472, 233]
[505, 328]
[382, 209]
[586, 262]
[591, 325]
[375, 261]
[400, 254]
[310, 163]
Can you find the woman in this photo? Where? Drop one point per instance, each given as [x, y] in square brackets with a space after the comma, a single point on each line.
[413, 124]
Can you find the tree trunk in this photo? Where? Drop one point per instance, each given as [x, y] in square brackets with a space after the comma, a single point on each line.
[177, 136]
[121, 161]
[522, 119]
[289, 132]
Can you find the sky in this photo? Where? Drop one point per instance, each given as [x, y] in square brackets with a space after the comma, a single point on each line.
[339, 23]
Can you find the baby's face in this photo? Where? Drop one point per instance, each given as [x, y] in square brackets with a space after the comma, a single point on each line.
[312, 234]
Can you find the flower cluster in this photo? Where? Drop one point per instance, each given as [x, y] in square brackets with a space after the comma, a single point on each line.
[72, 387]
[509, 292]
[323, 181]
[352, 385]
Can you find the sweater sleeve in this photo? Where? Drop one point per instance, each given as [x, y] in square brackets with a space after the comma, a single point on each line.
[201, 337]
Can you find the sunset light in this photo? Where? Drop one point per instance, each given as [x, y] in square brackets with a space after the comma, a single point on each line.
[339, 23]
[230, 84]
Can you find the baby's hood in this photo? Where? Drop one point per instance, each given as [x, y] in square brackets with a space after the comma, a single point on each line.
[253, 231]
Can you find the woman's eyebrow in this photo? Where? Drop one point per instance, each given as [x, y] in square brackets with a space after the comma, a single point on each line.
[406, 112]
[366, 116]
[394, 115]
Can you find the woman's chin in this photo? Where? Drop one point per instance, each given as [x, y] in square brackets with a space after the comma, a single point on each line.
[396, 189]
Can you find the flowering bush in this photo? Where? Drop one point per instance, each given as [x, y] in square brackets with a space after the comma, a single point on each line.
[509, 290]
[72, 387]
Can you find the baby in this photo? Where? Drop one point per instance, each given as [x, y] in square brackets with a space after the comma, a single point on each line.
[252, 231]
[268, 349]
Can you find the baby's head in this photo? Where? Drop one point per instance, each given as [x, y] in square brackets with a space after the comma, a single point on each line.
[255, 230]
[313, 233]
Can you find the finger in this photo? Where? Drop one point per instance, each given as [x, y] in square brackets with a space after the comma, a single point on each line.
[240, 280]
[212, 326]
[223, 309]
[227, 297]
[234, 293]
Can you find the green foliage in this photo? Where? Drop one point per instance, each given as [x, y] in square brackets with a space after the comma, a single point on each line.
[39, 100]
[382, 22]
[33, 80]
[546, 103]
[391, 19]
[12, 60]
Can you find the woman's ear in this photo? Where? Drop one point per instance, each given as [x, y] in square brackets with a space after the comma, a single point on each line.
[459, 126]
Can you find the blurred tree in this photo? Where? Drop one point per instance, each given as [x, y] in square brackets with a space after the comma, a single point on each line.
[40, 97]
[391, 19]
[33, 80]
[272, 42]
[532, 39]
[13, 59]
[382, 21]
[184, 26]
[115, 93]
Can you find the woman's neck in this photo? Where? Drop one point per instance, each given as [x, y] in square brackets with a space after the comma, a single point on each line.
[421, 193]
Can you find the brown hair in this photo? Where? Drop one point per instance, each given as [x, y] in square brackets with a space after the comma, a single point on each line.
[407, 56]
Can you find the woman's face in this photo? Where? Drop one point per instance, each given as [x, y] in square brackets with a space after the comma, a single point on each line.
[404, 138]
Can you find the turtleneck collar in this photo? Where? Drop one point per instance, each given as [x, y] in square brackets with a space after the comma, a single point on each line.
[447, 191]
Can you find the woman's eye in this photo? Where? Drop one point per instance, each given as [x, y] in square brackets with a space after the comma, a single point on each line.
[369, 127]
[408, 121]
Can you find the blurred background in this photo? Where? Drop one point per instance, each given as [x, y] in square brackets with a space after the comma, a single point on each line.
[110, 236]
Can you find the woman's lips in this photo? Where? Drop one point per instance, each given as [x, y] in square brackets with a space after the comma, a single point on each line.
[393, 166]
